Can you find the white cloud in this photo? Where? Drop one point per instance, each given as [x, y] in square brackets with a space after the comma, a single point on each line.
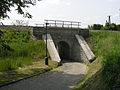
[53, 2]
[56, 2]
[68, 3]
[112, 0]
[116, 15]
[43, 5]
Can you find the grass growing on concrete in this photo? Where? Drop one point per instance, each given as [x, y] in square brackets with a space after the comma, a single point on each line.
[104, 72]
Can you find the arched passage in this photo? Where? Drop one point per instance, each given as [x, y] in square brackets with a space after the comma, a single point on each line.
[64, 50]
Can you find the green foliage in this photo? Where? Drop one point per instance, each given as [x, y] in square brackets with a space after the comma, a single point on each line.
[118, 27]
[107, 45]
[13, 63]
[113, 26]
[17, 49]
[6, 5]
[107, 26]
[95, 27]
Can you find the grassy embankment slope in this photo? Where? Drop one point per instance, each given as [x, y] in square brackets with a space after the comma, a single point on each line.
[20, 55]
[104, 72]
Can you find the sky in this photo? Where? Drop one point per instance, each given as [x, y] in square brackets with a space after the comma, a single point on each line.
[87, 12]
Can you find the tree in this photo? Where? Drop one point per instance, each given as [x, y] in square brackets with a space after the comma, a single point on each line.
[20, 5]
[20, 23]
[89, 27]
[118, 27]
[113, 26]
[107, 26]
[95, 27]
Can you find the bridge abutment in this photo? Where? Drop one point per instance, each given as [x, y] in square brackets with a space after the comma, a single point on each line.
[65, 41]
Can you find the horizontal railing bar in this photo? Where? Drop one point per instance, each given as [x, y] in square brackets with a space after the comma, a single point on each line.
[62, 24]
[63, 27]
[63, 21]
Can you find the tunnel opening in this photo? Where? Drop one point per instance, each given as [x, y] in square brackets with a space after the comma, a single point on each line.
[64, 50]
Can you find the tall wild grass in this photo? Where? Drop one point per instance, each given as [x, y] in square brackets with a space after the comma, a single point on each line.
[107, 45]
[17, 49]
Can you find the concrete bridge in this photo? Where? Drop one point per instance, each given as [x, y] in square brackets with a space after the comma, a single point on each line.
[65, 42]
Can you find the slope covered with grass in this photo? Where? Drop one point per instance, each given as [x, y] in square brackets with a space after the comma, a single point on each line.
[17, 49]
[104, 72]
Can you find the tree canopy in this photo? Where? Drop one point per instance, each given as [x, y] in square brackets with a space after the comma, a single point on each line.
[96, 27]
[19, 5]
[107, 26]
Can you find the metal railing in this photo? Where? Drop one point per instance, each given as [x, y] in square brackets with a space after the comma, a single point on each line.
[39, 25]
[63, 24]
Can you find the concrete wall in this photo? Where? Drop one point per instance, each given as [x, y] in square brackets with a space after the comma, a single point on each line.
[68, 36]
[38, 31]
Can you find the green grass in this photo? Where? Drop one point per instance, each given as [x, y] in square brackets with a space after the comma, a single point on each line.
[105, 74]
[17, 49]
[37, 66]
[20, 56]
[13, 63]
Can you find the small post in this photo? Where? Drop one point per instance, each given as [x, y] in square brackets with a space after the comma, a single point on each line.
[46, 58]
[55, 24]
[63, 24]
[78, 24]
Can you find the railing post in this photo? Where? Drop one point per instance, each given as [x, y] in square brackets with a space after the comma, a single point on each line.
[63, 24]
[55, 24]
[78, 24]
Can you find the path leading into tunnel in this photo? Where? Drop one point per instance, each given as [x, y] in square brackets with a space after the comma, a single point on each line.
[63, 79]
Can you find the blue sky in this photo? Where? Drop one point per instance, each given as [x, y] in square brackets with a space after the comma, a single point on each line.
[86, 11]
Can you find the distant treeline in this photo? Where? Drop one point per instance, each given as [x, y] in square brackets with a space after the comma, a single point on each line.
[107, 26]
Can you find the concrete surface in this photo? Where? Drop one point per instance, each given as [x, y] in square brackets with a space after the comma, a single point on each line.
[89, 54]
[51, 48]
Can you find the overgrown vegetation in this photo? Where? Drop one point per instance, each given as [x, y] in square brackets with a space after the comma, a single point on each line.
[107, 26]
[20, 56]
[36, 67]
[104, 73]
[17, 49]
